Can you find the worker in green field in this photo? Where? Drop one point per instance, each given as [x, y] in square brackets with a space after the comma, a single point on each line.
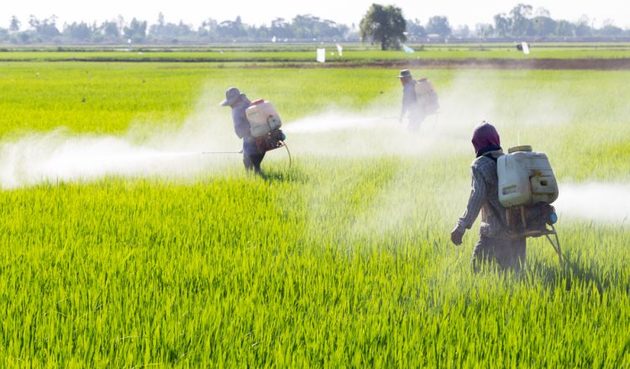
[419, 100]
[252, 155]
[496, 242]
[410, 106]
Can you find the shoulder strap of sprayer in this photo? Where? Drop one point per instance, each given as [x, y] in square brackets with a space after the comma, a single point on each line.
[489, 156]
[510, 230]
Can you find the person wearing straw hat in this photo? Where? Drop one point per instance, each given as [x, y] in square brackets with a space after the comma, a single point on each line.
[411, 109]
[252, 156]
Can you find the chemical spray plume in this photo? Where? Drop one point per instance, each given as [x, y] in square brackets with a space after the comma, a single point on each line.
[597, 202]
[144, 151]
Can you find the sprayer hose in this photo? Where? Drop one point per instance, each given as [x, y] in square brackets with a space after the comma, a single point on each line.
[288, 153]
[556, 245]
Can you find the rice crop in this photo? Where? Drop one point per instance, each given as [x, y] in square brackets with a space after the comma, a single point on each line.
[341, 260]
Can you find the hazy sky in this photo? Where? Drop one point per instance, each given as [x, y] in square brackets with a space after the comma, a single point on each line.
[261, 11]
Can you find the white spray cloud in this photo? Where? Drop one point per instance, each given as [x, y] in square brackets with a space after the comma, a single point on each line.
[144, 151]
[597, 202]
[376, 130]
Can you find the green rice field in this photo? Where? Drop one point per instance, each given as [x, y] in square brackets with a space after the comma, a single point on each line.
[342, 259]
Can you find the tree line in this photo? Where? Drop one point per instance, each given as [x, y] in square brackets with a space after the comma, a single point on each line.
[385, 25]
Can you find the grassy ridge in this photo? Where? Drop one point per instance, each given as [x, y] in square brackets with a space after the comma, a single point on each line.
[337, 262]
[228, 54]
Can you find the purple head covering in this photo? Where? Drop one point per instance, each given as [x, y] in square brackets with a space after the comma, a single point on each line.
[486, 138]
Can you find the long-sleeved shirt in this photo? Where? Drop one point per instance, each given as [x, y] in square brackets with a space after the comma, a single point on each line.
[242, 126]
[239, 118]
[484, 197]
[409, 100]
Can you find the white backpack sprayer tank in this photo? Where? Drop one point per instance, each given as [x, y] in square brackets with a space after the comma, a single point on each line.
[263, 118]
[265, 125]
[525, 178]
[527, 188]
[427, 97]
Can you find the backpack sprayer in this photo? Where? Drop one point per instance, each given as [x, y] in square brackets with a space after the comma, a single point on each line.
[426, 96]
[265, 125]
[527, 187]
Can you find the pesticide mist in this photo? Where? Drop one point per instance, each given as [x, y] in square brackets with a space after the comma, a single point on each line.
[163, 151]
[602, 202]
[176, 151]
[144, 151]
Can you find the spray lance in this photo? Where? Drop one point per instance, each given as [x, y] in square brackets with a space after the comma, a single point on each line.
[280, 144]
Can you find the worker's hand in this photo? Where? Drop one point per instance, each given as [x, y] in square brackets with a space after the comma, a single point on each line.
[457, 234]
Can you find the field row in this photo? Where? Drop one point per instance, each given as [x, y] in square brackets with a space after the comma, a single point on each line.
[227, 54]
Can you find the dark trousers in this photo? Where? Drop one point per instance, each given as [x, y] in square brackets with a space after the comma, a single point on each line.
[415, 120]
[508, 253]
[252, 157]
[252, 161]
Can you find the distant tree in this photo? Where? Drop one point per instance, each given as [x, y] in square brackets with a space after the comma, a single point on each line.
[14, 26]
[259, 33]
[565, 29]
[311, 27]
[543, 26]
[110, 31]
[23, 38]
[502, 25]
[303, 26]
[136, 30]
[462, 32]
[232, 29]
[415, 30]
[46, 29]
[609, 29]
[484, 30]
[542, 12]
[521, 24]
[80, 32]
[439, 25]
[385, 25]
[582, 28]
[161, 20]
[280, 28]
[164, 31]
[208, 29]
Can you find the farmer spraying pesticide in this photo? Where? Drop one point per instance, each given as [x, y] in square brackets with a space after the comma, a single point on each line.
[419, 100]
[257, 123]
[513, 193]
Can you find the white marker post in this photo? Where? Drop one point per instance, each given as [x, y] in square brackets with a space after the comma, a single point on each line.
[321, 55]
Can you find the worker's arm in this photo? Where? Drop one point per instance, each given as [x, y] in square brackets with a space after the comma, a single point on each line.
[403, 110]
[241, 124]
[475, 202]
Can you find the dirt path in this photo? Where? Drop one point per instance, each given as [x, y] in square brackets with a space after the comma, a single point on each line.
[553, 64]
[557, 64]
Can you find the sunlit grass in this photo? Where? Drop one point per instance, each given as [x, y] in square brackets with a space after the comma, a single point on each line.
[335, 262]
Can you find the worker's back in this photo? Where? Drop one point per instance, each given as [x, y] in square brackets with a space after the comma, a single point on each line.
[241, 124]
[492, 212]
